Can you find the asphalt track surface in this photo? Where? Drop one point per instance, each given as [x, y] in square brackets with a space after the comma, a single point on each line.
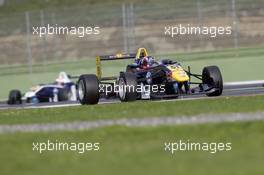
[230, 89]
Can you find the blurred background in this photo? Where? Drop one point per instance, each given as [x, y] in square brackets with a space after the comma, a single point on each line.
[27, 59]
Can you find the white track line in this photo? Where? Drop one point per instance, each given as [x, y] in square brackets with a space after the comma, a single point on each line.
[249, 88]
[51, 106]
[55, 105]
[244, 83]
[133, 122]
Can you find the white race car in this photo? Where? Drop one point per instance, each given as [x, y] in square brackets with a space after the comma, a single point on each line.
[63, 89]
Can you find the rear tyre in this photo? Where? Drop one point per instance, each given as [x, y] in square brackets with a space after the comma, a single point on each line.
[88, 89]
[63, 95]
[127, 85]
[213, 78]
[131, 68]
[166, 61]
[14, 97]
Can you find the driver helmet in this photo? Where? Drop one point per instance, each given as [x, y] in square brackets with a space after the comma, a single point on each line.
[63, 78]
[146, 62]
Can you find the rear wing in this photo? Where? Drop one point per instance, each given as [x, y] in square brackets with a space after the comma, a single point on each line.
[141, 52]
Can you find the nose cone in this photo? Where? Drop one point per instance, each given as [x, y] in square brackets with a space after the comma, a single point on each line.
[179, 75]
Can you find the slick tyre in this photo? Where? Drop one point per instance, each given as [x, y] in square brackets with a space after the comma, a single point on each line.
[127, 85]
[15, 97]
[63, 95]
[213, 78]
[88, 89]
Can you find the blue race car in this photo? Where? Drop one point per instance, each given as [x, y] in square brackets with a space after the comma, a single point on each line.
[63, 89]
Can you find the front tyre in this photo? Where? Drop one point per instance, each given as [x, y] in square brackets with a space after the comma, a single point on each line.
[15, 97]
[88, 89]
[213, 78]
[127, 85]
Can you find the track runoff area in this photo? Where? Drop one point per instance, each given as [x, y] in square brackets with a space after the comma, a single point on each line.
[244, 88]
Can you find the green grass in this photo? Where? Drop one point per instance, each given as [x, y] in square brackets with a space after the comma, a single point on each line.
[236, 65]
[133, 151]
[28, 5]
[134, 110]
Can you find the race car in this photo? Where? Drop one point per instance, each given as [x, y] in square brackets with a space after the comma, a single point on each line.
[161, 79]
[63, 89]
